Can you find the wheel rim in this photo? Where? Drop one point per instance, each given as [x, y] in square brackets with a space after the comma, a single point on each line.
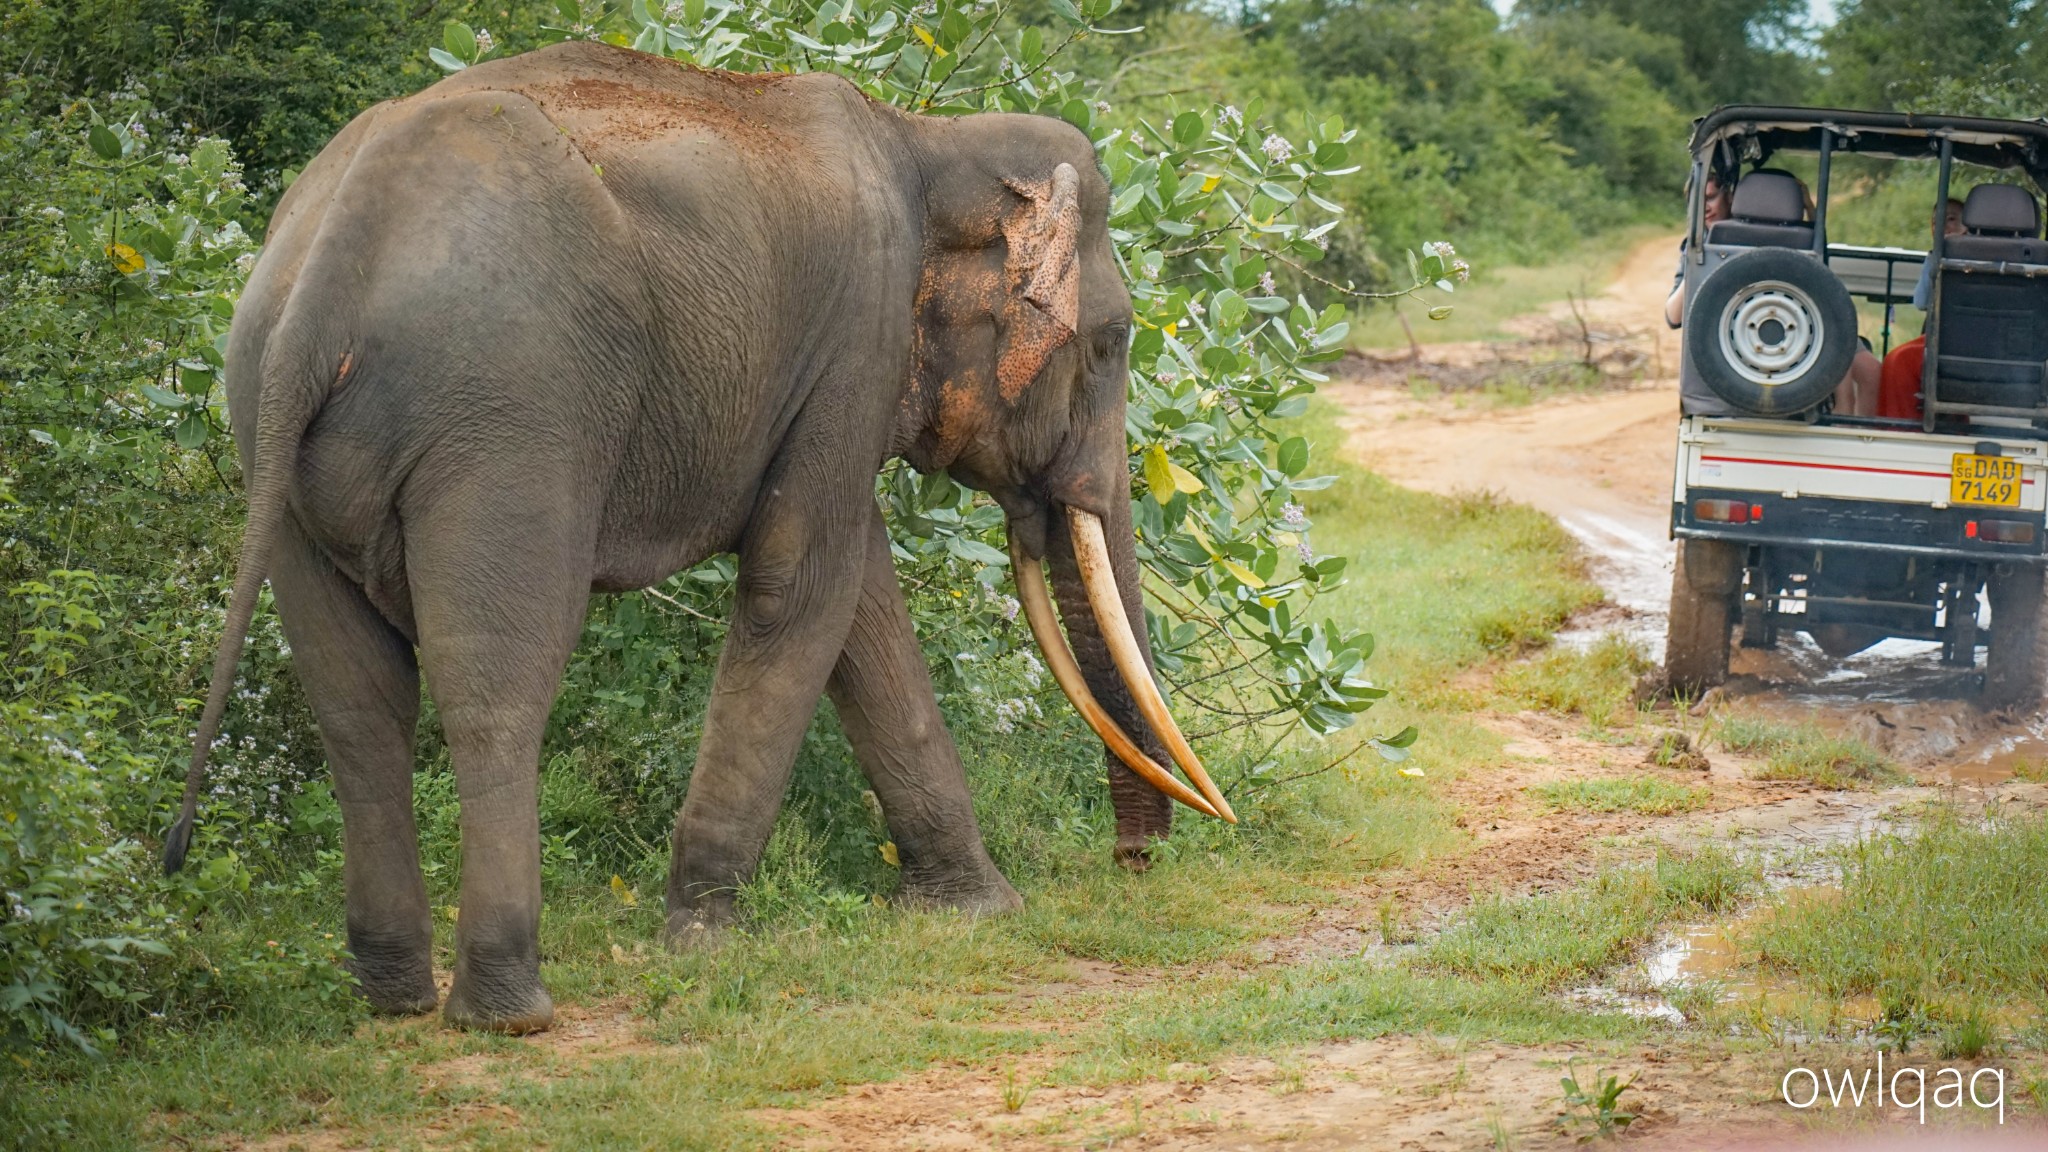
[1771, 333]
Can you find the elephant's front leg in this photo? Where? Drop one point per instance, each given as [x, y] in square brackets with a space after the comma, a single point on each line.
[799, 581]
[884, 695]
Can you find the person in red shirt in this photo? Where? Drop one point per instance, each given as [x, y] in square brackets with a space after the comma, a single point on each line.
[1898, 389]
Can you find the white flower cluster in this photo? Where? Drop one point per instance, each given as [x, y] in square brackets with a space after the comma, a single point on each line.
[1276, 148]
[1443, 251]
[1009, 712]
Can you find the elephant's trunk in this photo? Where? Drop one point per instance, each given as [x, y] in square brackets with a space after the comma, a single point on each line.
[1107, 673]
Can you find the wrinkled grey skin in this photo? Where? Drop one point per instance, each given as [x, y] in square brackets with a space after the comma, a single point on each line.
[576, 320]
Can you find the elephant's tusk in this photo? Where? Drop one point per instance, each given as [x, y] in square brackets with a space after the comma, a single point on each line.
[1091, 552]
[1059, 659]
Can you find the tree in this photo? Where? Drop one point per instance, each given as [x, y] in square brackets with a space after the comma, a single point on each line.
[276, 78]
[1738, 51]
[1901, 53]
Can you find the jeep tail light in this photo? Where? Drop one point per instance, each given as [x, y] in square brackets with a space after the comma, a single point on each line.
[2005, 531]
[1727, 511]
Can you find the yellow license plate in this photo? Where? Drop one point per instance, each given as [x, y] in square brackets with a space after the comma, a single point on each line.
[1993, 480]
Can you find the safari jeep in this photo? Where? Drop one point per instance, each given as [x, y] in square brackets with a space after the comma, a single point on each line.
[1794, 516]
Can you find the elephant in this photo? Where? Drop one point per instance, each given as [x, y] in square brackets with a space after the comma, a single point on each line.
[572, 321]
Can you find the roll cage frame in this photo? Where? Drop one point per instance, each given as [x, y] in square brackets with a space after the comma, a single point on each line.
[1731, 136]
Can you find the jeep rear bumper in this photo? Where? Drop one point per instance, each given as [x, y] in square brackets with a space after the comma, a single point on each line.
[1830, 522]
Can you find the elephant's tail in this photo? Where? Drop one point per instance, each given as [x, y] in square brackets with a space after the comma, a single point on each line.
[300, 370]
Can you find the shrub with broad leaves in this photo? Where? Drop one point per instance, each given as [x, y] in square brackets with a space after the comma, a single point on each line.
[1213, 210]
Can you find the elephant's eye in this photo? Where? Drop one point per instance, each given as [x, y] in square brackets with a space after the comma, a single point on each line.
[1110, 341]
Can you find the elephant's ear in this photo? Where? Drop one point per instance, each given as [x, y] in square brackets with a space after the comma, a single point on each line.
[1043, 272]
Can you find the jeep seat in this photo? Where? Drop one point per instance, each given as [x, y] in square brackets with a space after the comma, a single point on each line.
[2001, 222]
[1769, 212]
[1994, 325]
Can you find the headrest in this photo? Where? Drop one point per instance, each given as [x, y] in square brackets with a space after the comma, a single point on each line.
[2001, 210]
[1768, 196]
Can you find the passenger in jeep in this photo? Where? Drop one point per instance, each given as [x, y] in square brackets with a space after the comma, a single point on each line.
[1898, 393]
[1719, 205]
[1783, 221]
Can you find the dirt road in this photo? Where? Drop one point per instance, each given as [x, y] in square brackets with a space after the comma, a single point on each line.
[1601, 462]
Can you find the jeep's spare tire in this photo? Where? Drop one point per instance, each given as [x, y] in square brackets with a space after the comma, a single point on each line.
[1772, 332]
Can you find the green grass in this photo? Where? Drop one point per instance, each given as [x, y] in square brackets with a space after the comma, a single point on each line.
[1597, 682]
[1443, 582]
[1805, 752]
[1649, 795]
[1948, 918]
[1502, 292]
[1551, 939]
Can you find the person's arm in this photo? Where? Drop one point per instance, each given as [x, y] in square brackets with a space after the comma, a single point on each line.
[1674, 304]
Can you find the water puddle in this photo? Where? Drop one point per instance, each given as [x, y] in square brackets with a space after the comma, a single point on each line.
[1714, 963]
[1632, 564]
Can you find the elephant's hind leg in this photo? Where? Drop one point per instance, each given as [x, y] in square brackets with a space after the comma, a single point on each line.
[500, 573]
[361, 678]
[884, 695]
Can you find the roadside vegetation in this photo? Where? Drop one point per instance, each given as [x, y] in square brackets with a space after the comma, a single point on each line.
[1550, 939]
[1945, 920]
[1597, 681]
[1805, 752]
[1648, 795]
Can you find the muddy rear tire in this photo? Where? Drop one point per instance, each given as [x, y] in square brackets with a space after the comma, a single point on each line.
[1704, 578]
[2016, 668]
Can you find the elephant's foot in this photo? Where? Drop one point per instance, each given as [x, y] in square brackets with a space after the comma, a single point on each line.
[987, 894]
[1133, 853]
[700, 927]
[396, 979]
[506, 998]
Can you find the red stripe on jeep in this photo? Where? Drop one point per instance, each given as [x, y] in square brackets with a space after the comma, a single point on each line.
[1832, 467]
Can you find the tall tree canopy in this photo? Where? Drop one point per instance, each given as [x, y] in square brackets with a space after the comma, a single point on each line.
[1736, 50]
[1905, 53]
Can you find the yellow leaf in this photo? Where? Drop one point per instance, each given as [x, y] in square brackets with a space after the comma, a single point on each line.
[1200, 536]
[923, 35]
[889, 855]
[1184, 479]
[126, 260]
[1159, 474]
[1245, 576]
[627, 896]
[1210, 184]
[1412, 773]
[1173, 329]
